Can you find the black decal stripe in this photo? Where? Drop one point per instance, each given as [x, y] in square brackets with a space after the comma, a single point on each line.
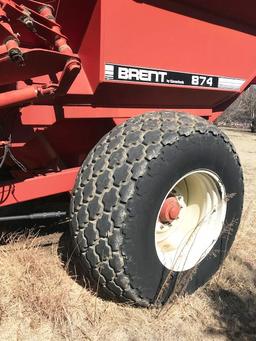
[145, 75]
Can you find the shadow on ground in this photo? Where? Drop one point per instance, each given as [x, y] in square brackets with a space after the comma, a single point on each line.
[235, 312]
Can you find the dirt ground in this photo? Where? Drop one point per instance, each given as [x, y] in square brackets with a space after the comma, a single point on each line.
[39, 300]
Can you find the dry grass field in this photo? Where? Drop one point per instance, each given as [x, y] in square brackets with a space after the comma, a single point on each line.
[40, 301]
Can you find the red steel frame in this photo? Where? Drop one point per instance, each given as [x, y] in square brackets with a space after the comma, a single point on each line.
[55, 101]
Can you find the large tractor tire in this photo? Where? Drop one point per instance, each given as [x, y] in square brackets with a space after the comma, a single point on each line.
[156, 207]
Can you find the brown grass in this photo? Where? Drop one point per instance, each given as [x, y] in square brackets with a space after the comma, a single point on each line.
[39, 301]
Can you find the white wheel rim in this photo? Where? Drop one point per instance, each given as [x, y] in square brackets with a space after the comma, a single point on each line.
[185, 242]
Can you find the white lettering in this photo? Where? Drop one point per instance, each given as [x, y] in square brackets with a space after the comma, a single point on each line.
[133, 74]
[145, 76]
[123, 73]
[195, 80]
[201, 80]
[210, 81]
[162, 76]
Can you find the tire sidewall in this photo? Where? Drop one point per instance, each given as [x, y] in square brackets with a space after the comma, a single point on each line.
[198, 151]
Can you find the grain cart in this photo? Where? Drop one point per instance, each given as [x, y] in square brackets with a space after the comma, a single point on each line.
[112, 101]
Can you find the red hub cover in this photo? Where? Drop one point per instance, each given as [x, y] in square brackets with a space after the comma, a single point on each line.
[170, 210]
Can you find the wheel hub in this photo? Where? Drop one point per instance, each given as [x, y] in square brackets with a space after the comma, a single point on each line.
[190, 220]
[170, 210]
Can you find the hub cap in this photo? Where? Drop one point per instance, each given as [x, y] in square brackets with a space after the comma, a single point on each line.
[183, 242]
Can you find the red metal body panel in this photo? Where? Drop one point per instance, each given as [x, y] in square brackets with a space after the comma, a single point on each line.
[140, 34]
[71, 111]
[37, 187]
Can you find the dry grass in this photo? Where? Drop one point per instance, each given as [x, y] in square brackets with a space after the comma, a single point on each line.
[39, 301]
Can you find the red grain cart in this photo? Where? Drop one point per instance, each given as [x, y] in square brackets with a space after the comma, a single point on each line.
[96, 99]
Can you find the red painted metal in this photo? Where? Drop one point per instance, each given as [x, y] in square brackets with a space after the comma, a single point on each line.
[60, 41]
[38, 62]
[48, 115]
[18, 96]
[55, 102]
[170, 210]
[27, 94]
[70, 72]
[37, 187]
